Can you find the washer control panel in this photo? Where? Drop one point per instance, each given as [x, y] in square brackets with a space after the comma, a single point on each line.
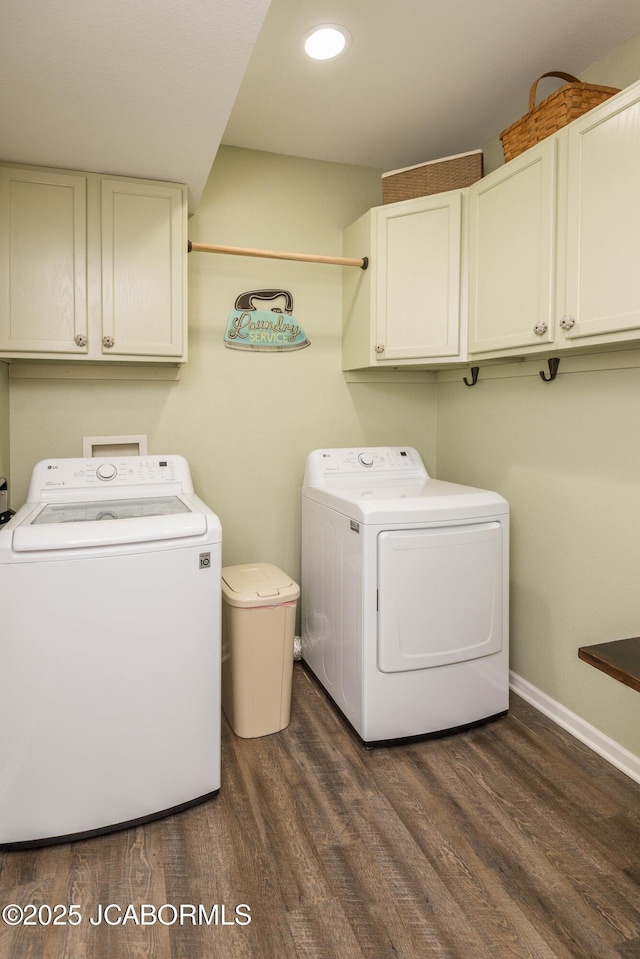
[107, 471]
[80, 475]
[387, 461]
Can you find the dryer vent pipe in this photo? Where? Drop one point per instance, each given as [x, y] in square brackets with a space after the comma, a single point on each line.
[297, 648]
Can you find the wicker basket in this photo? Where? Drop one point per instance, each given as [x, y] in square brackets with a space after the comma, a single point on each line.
[437, 176]
[566, 104]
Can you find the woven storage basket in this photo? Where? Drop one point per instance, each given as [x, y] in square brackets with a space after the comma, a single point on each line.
[566, 104]
[437, 176]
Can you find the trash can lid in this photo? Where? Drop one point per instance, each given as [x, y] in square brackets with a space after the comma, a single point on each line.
[259, 584]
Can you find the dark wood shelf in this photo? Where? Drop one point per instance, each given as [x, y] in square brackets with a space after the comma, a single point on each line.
[619, 659]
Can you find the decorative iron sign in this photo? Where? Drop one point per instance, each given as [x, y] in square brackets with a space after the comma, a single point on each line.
[263, 320]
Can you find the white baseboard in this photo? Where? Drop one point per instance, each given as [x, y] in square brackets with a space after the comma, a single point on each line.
[610, 750]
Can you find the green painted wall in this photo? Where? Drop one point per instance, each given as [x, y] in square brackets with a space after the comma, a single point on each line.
[565, 455]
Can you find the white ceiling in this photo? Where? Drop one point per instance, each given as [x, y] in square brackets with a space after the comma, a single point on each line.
[132, 87]
[151, 87]
[423, 79]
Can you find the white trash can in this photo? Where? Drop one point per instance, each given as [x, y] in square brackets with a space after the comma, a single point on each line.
[258, 625]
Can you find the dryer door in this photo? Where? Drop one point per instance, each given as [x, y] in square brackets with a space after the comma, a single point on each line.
[439, 595]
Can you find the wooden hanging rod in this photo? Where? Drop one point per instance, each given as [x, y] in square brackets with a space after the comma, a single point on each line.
[276, 255]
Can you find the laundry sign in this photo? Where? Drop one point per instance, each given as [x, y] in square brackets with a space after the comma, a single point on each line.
[263, 320]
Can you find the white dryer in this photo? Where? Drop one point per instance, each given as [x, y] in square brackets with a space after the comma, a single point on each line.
[109, 649]
[404, 594]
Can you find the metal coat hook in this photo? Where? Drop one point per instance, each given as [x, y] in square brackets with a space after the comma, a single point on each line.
[474, 376]
[553, 364]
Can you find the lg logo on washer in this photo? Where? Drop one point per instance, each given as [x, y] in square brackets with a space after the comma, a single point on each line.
[263, 320]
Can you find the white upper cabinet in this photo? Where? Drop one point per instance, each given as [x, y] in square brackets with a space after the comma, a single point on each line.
[554, 240]
[43, 256]
[143, 282]
[512, 253]
[599, 288]
[92, 267]
[406, 308]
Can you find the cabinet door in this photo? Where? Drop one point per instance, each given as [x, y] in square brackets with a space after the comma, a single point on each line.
[603, 220]
[419, 276]
[43, 241]
[512, 253]
[144, 250]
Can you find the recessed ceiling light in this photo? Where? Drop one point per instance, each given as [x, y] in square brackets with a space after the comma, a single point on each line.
[326, 41]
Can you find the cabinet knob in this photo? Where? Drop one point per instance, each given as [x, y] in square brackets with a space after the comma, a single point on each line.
[379, 347]
[108, 342]
[567, 322]
[540, 329]
[80, 339]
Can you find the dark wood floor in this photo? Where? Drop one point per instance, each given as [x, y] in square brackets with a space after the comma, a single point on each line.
[510, 840]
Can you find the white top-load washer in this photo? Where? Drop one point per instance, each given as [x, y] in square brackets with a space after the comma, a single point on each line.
[404, 593]
[109, 649]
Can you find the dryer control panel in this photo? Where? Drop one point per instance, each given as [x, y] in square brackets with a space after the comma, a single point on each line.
[383, 461]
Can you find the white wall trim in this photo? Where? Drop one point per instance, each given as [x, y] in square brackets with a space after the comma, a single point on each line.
[613, 752]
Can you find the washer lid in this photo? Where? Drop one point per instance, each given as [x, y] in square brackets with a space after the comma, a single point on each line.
[109, 522]
[106, 509]
[387, 501]
[261, 584]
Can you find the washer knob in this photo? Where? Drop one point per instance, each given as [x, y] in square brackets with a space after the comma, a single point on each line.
[365, 459]
[106, 471]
